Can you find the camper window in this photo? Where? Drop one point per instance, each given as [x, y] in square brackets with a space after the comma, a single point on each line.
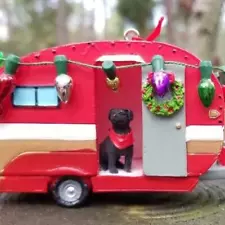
[47, 96]
[35, 96]
[24, 96]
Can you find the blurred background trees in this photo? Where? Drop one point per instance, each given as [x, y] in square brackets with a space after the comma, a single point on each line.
[138, 12]
[30, 25]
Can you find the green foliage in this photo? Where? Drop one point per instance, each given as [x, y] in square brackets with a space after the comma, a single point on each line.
[138, 12]
[168, 107]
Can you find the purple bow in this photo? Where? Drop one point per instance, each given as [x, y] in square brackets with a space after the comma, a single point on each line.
[160, 82]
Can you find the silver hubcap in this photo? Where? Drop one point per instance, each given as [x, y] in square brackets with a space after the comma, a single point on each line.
[70, 191]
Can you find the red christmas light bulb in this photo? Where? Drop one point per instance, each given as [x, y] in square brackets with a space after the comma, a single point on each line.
[7, 80]
[7, 84]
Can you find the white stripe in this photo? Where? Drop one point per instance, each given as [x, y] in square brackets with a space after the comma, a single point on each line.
[119, 58]
[21, 131]
[209, 133]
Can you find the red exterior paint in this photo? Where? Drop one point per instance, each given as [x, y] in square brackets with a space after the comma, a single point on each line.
[223, 87]
[89, 104]
[58, 164]
[198, 164]
[221, 158]
[83, 163]
[143, 183]
[29, 184]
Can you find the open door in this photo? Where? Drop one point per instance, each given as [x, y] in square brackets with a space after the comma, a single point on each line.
[164, 145]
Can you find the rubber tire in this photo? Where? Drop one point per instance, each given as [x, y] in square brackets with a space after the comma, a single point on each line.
[59, 201]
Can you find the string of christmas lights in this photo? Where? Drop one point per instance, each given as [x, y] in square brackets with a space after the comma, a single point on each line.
[3, 59]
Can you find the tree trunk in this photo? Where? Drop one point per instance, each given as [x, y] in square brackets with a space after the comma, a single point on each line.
[203, 28]
[6, 8]
[90, 35]
[82, 24]
[104, 2]
[62, 33]
[170, 28]
[181, 11]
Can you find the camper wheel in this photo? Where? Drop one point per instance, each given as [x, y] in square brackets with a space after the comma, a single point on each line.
[70, 192]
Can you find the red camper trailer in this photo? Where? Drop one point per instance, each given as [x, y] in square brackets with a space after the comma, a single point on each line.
[60, 105]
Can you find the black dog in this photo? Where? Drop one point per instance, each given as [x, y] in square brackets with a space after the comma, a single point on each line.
[118, 143]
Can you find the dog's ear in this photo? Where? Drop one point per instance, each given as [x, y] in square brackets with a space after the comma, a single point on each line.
[111, 111]
[130, 115]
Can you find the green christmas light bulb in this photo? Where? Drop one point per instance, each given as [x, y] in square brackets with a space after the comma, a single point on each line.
[11, 64]
[60, 62]
[110, 70]
[158, 63]
[1, 59]
[206, 88]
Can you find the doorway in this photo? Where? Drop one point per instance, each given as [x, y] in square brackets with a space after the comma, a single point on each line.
[128, 96]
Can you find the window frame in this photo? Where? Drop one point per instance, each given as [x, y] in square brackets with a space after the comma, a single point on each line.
[36, 98]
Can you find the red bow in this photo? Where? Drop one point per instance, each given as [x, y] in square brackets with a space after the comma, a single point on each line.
[154, 34]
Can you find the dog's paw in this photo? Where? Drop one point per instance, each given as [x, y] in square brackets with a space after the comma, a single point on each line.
[113, 170]
[119, 165]
[128, 170]
[103, 167]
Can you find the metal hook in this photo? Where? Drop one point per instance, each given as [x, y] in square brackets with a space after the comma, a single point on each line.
[130, 33]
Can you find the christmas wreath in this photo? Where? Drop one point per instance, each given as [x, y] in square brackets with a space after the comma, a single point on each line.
[168, 107]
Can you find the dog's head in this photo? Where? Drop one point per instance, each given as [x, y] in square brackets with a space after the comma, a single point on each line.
[120, 117]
